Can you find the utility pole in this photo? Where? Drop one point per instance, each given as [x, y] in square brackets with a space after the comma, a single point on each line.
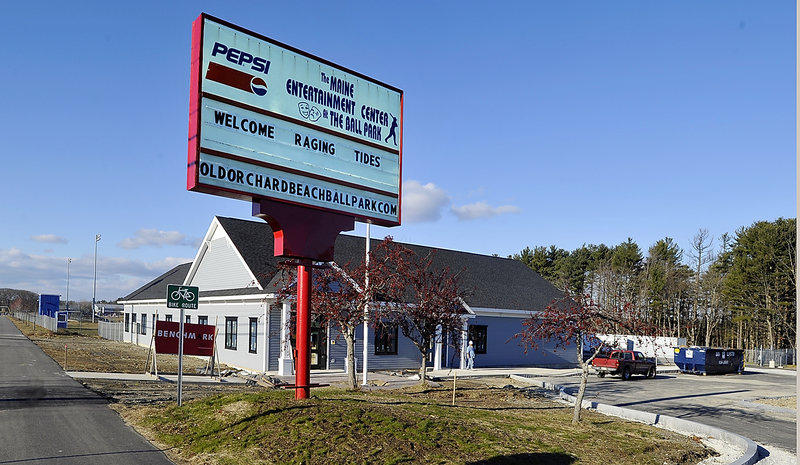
[94, 285]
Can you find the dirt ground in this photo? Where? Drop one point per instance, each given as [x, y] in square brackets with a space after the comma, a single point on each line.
[154, 392]
[75, 351]
[789, 402]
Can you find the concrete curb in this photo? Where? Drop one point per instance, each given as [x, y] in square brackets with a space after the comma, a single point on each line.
[677, 425]
[772, 371]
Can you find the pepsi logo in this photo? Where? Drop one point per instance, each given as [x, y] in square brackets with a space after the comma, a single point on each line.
[258, 86]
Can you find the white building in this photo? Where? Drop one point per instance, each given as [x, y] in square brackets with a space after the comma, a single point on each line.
[236, 273]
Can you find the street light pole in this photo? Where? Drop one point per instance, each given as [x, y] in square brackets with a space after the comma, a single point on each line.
[94, 285]
[69, 260]
[365, 354]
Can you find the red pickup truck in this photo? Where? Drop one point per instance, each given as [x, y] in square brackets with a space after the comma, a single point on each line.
[624, 363]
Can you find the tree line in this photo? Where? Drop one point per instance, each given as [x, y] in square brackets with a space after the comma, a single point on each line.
[18, 300]
[736, 291]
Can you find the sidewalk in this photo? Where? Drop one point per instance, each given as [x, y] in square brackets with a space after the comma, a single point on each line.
[148, 377]
[389, 378]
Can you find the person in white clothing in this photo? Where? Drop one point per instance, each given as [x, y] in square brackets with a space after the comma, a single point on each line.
[470, 356]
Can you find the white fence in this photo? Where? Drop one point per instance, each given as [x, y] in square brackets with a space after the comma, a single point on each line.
[661, 348]
[109, 330]
[38, 320]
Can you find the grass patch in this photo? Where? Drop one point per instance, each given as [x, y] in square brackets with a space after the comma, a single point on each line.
[392, 427]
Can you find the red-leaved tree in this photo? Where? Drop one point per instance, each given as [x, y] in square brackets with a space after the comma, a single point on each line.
[425, 302]
[341, 293]
[567, 321]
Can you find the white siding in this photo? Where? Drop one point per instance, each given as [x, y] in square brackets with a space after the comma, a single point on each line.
[243, 311]
[221, 268]
[134, 333]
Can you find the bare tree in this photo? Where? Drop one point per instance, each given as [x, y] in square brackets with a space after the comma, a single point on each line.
[702, 254]
[566, 321]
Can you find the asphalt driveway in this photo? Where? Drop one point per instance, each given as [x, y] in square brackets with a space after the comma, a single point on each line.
[46, 417]
[726, 402]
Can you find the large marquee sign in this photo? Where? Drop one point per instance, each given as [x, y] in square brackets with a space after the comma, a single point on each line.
[273, 122]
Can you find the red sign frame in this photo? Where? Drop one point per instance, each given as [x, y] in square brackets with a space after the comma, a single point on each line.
[197, 339]
[337, 204]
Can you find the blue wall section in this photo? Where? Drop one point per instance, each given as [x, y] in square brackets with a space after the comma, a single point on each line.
[503, 350]
[48, 305]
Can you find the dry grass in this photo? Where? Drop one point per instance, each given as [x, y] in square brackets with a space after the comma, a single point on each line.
[76, 350]
[789, 402]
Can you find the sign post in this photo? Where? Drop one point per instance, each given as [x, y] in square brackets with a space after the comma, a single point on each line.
[181, 297]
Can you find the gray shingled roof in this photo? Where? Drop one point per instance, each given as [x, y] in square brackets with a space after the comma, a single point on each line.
[492, 282]
[157, 288]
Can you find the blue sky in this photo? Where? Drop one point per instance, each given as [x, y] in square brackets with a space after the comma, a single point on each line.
[525, 124]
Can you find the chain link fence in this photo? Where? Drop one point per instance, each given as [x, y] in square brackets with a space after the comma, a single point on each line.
[771, 357]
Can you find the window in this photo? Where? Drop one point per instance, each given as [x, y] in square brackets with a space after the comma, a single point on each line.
[253, 335]
[477, 334]
[188, 319]
[202, 320]
[127, 322]
[231, 323]
[144, 324]
[167, 317]
[386, 340]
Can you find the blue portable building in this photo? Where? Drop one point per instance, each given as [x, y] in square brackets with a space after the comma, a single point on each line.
[48, 306]
[709, 360]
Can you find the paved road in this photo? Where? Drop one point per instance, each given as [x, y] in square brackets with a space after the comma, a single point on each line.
[48, 418]
[721, 401]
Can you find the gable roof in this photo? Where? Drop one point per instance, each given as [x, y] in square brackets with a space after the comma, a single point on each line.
[493, 282]
[157, 288]
[254, 241]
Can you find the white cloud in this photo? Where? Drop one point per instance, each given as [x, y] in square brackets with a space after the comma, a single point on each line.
[116, 277]
[155, 238]
[423, 203]
[49, 239]
[478, 210]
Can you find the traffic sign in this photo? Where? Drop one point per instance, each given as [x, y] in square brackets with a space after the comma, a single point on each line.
[182, 296]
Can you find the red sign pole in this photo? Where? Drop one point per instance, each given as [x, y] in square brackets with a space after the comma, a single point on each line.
[307, 235]
[303, 368]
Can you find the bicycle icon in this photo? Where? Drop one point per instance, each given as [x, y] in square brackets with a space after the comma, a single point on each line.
[182, 293]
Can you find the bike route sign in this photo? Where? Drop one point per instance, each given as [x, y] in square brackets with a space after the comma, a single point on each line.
[182, 296]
